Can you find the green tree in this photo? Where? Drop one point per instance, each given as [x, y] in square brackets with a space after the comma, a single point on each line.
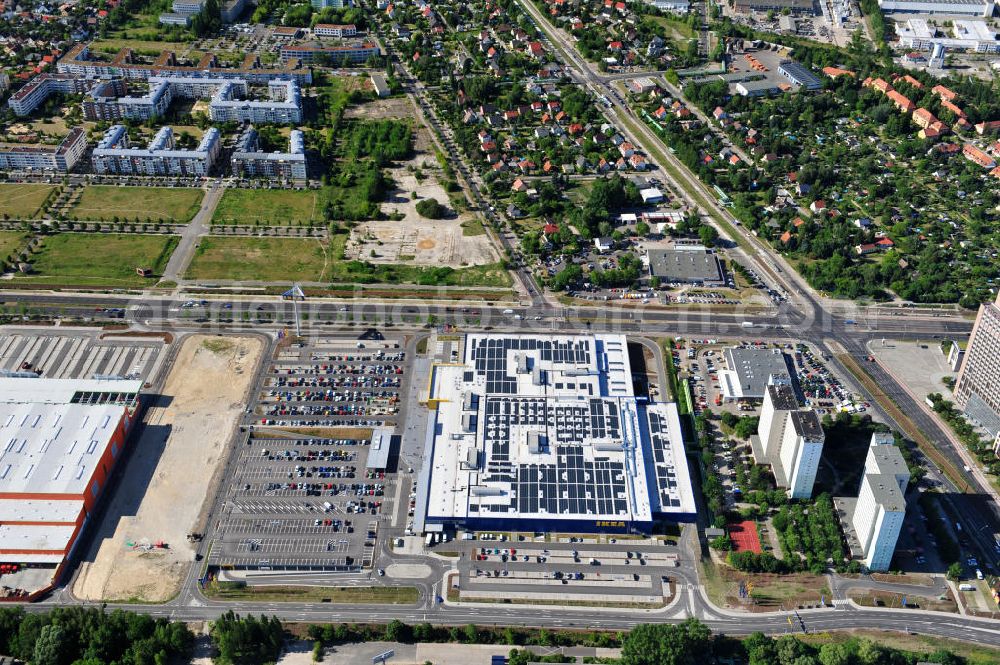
[708, 235]
[955, 571]
[431, 209]
[568, 276]
[686, 643]
[835, 654]
[397, 631]
[51, 647]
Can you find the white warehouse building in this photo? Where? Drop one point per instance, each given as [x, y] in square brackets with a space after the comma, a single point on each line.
[982, 8]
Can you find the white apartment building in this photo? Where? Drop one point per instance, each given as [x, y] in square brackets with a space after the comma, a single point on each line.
[114, 155]
[886, 460]
[977, 389]
[334, 30]
[38, 89]
[107, 101]
[284, 106]
[878, 518]
[873, 520]
[779, 401]
[249, 161]
[790, 440]
[801, 449]
[61, 158]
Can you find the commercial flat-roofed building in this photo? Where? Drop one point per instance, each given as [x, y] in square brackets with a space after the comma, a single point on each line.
[798, 74]
[982, 8]
[61, 158]
[757, 88]
[686, 264]
[977, 389]
[63, 438]
[250, 161]
[790, 440]
[542, 433]
[750, 370]
[380, 85]
[793, 6]
[114, 155]
[916, 33]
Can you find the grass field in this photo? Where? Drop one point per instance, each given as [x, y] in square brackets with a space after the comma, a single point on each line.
[293, 259]
[100, 202]
[21, 201]
[99, 259]
[974, 654]
[375, 595]
[10, 242]
[268, 206]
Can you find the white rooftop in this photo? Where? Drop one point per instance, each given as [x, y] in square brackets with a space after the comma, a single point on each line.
[548, 427]
[53, 432]
[38, 538]
[57, 511]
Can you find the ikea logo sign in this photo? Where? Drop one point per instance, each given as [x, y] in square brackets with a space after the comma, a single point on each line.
[610, 523]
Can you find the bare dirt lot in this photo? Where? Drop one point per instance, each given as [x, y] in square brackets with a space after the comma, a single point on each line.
[171, 468]
[455, 242]
[399, 108]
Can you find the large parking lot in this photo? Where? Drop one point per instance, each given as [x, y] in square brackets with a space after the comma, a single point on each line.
[334, 383]
[308, 489]
[301, 503]
[586, 568]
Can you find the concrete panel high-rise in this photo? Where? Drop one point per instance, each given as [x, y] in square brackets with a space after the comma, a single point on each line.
[977, 390]
[790, 439]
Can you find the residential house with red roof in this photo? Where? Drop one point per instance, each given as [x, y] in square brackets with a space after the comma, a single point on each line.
[974, 154]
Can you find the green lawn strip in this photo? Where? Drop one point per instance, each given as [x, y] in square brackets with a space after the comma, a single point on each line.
[98, 259]
[237, 591]
[974, 654]
[271, 207]
[291, 259]
[22, 201]
[11, 242]
[104, 202]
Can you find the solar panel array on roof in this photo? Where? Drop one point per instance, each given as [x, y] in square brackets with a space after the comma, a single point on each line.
[666, 472]
[490, 357]
[572, 447]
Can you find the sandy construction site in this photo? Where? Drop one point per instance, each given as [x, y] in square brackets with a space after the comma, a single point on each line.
[170, 475]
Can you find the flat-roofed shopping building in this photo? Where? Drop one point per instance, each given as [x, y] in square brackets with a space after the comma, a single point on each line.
[545, 432]
[62, 438]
